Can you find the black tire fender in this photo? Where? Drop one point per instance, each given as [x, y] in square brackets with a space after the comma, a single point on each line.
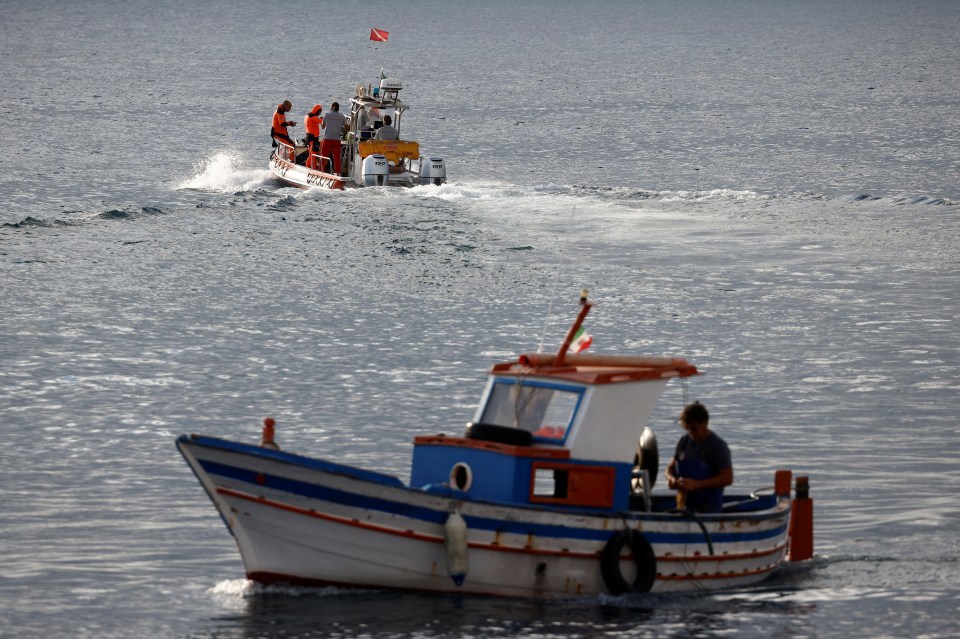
[643, 557]
[499, 434]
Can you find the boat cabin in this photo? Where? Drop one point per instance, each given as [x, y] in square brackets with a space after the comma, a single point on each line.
[552, 430]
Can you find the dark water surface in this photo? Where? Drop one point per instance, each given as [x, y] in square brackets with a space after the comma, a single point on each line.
[767, 188]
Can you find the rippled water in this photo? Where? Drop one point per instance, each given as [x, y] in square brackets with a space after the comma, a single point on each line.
[769, 189]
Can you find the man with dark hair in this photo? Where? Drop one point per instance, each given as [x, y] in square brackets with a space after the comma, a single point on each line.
[334, 124]
[280, 123]
[387, 131]
[701, 466]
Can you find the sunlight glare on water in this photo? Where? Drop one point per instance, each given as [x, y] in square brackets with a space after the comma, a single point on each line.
[769, 190]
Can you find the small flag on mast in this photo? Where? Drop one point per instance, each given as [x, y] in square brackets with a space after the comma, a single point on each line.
[379, 35]
[581, 341]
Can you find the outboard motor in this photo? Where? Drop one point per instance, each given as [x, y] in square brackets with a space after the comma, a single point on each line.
[375, 170]
[433, 171]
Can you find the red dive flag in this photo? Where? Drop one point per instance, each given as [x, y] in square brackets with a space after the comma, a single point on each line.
[379, 35]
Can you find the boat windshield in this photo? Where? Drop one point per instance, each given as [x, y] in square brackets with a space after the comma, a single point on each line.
[545, 410]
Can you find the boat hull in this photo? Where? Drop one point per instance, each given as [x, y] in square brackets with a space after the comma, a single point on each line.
[306, 521]
[304, 178]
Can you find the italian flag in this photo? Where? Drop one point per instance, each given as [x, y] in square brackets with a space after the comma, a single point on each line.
[581, 341]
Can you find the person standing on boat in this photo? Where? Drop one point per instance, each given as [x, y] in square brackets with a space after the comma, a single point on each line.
[334, 124]
[387, 132]
[312, 122]
[362, 123]
[701, 466]
[280, 123]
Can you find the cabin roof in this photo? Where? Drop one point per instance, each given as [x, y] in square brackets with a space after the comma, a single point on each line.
[597, 369]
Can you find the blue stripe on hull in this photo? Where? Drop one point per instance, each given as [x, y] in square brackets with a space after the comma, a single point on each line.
[290, 458]
[345, 498]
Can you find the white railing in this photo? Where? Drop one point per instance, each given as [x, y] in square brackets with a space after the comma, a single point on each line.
[315, 161]
[286, 152]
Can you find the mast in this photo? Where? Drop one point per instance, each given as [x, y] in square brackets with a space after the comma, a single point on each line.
[585, 306]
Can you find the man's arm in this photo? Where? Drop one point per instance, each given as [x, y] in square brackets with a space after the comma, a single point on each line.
[720, 480]
[671, 473]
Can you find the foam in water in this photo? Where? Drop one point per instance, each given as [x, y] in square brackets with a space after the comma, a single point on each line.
[223, 172]
[245, 588]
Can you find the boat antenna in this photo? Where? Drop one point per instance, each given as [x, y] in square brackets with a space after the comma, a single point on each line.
[585, 306]
[546, 321]
[553, 296]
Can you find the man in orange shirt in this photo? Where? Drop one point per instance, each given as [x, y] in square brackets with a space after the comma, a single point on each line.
[312, 122]
[280, 123]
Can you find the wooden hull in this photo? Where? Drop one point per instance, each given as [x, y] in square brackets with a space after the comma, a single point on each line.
[306, 521]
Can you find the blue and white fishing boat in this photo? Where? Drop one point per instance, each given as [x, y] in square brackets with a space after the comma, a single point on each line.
[546, 494]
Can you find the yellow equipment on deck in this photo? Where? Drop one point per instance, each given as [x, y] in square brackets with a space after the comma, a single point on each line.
[394, 150]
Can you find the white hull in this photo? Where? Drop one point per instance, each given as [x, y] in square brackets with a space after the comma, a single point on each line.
[300, 176]
[305, 521]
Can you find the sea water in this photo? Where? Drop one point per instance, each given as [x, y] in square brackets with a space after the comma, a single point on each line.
[767, 188]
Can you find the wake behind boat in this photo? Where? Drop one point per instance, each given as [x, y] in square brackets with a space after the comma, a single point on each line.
[535, 499]
[364, 161]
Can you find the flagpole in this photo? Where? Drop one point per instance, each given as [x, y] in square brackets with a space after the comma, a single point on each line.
[585, 307]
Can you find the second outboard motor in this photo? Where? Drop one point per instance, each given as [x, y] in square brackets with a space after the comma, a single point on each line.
[433, 171]
[375, 170]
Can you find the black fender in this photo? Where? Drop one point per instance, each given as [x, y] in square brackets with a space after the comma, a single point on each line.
[499, 434]
[643, 557]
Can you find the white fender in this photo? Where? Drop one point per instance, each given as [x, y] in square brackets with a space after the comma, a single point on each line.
[455, 544]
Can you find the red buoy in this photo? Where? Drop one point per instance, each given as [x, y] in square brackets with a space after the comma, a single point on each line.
[266, 440]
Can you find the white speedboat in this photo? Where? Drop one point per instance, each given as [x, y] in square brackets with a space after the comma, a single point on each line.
[365, 161]
[542, 496]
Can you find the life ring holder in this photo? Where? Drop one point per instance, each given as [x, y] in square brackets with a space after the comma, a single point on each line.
[643, 557]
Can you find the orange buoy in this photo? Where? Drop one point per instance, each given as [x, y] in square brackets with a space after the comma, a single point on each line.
[801, 522]
[781, 482]
[266, 440]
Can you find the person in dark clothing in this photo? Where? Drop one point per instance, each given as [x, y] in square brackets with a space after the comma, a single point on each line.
[701, 466]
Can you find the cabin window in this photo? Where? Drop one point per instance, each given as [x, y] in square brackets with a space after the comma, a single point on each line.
[550, 482]
[544, 410]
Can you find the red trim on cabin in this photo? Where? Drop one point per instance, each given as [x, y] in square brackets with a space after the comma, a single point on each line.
[507, 449]
[585, 485]
[598, 369]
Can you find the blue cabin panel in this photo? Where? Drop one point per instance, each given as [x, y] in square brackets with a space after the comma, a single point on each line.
[519, 475]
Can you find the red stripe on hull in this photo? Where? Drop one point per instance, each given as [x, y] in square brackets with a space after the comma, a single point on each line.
[492, 547]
